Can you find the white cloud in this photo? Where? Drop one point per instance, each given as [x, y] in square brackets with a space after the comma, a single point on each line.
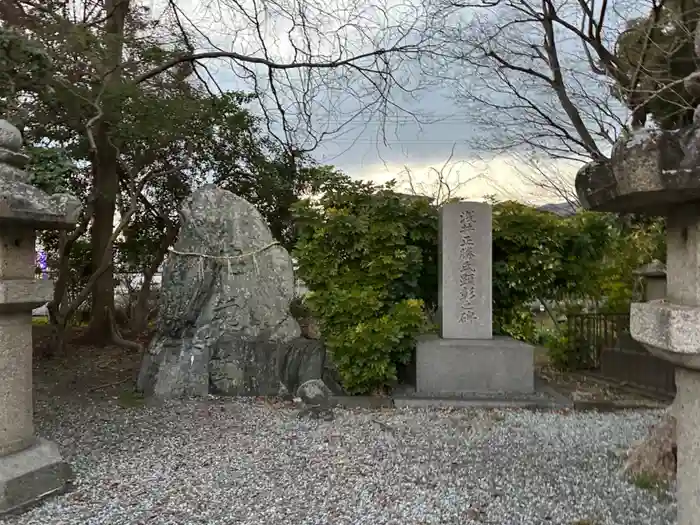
[359, 25]
[503, 176]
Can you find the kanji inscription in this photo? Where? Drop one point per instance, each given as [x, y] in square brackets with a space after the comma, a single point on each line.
[467, 268]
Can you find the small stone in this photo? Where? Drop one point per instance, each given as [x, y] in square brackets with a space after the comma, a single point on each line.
[315, 399]
[314, 392]
[474, 514]
[309, 328]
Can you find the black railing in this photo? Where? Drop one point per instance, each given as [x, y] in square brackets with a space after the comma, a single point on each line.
[590, 334]
[602, 342]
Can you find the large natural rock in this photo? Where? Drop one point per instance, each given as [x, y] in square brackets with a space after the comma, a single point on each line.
[654, 457]
[224, 302]
[262, 367]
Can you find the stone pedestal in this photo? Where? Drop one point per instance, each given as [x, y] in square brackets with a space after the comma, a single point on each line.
[460, 367]
[670, 328]
[31, 474]
[465, 359]
[30, 468]
[16, 427]
[16, 289]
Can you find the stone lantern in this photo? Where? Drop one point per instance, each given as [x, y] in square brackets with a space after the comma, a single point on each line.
[30, 467]
[657, 173]
[654, 277]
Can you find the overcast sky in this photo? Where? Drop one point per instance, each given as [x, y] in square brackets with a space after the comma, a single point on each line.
[369, 148]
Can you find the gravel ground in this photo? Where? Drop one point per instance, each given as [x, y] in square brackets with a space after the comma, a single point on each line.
[236, 462]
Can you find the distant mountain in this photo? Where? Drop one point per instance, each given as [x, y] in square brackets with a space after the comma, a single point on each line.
[560, 208]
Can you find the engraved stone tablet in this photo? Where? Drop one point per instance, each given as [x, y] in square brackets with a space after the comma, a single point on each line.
[465, 267]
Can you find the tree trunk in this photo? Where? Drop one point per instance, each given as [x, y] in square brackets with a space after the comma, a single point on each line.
[106, 188]
[106, 177]
[140, 312]
[60, 313]
[57, 346]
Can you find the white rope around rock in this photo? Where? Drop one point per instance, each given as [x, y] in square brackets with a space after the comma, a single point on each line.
[227, 258]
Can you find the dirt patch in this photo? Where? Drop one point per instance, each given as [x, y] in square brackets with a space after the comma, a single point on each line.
[588, 387]
[110, 372]
[84, 369]
[581, 387]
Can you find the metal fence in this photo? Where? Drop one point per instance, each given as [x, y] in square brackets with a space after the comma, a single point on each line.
[590, 334]
[602, 342]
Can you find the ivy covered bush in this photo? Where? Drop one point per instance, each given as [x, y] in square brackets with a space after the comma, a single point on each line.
[588, 258]
[538, 255]
[369, 257]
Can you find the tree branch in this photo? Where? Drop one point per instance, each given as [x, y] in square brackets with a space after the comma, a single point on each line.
[332, 64]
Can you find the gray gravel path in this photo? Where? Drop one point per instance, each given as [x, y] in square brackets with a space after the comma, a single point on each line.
[236, 462]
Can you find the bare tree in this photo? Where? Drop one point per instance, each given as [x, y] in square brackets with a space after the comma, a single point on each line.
[548, 76]
[558, 77]
[550, 177]
[296, 55]
[316, 68]
[440, 184]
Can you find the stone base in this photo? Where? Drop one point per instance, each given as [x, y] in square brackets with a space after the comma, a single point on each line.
[30, 475]
[687, 412]
[669, 331]
[459, 367]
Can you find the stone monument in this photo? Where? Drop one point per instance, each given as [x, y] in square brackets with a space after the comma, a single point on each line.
[464, 289]
[655, 172]
[465, 358]
[30, 467]
[224, 324]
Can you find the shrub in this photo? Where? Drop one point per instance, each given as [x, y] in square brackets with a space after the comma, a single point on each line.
[539, 255]
[367, 352]
[516, 322]
[558, 351]
[369, 258]
[568, 352]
